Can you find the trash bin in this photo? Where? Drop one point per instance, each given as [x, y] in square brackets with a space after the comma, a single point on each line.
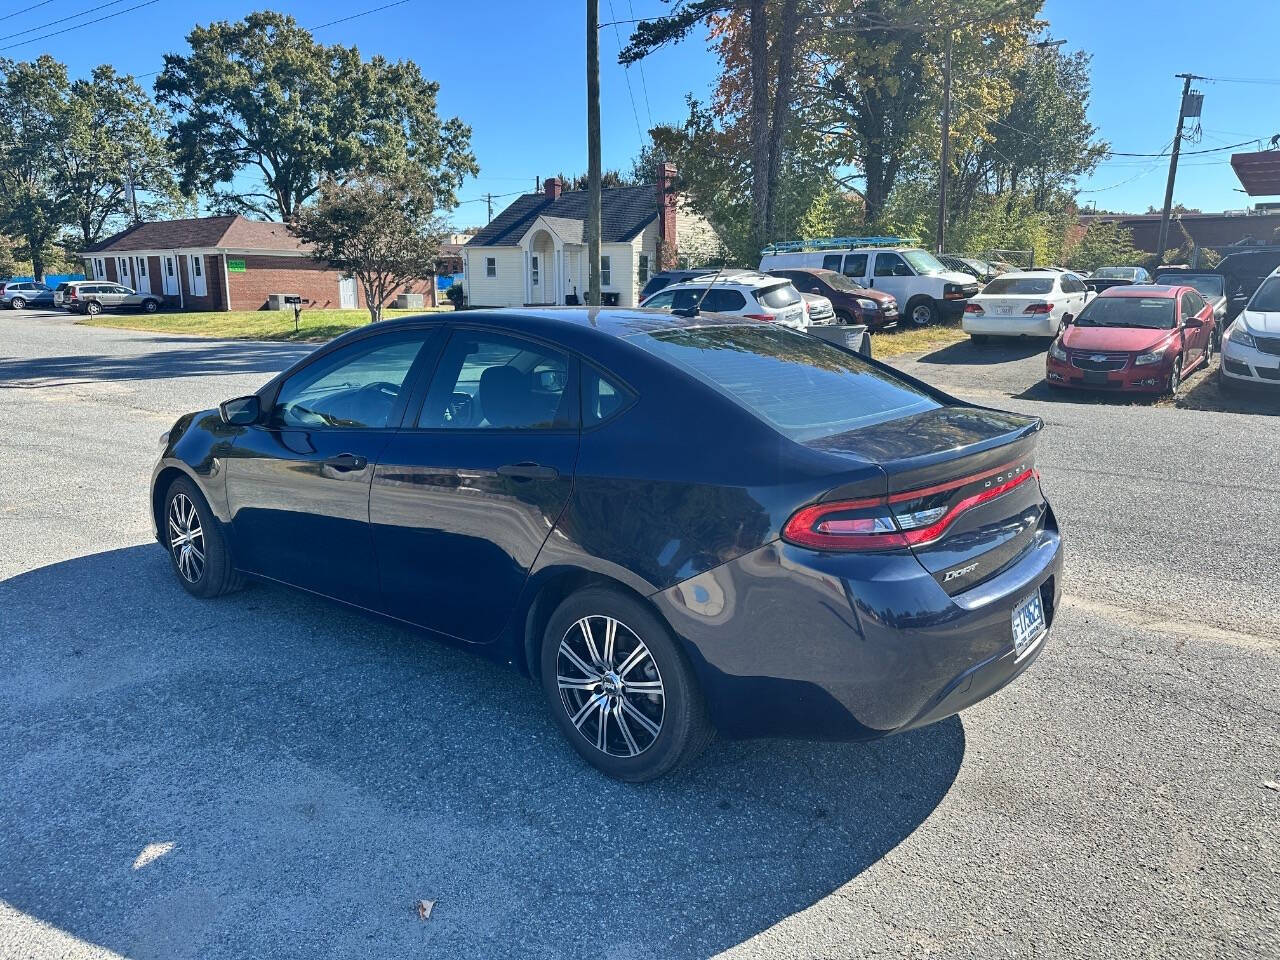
[852, 336]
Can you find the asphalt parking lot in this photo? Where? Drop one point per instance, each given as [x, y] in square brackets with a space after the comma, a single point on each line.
[270, 775]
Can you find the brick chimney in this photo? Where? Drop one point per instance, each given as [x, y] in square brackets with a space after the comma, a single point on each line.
[552, 188]
[667, 240]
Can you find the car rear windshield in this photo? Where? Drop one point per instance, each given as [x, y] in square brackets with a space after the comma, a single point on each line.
[1208, 286]
[1267, 299]
[783, 295]
[1153, 312]
[1015, 285]
[1115, 273]
[805, 388]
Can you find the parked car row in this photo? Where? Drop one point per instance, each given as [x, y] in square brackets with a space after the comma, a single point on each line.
[82, 296]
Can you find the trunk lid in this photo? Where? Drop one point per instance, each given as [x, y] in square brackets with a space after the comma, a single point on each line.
[961, 484]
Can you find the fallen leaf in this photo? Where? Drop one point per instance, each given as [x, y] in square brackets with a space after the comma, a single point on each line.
[1271, 784]
[424, 908]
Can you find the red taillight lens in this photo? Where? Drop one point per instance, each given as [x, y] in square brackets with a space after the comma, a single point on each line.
[973, 308]
[767, 317]
[900, 520]
[1039, 308]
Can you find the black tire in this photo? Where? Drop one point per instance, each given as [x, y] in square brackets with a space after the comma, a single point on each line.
[93, 308]
[921, 311]
[150, 306]
[17, 303]
[1175, 378]
[683, 726]
[845, 318]
[216, 574]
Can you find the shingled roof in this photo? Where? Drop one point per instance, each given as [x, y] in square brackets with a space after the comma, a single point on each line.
[624, 212]
[229, 232]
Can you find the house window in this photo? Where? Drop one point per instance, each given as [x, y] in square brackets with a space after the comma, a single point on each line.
[643, 276]
[490, 266]
[533, 269]
[605, 281]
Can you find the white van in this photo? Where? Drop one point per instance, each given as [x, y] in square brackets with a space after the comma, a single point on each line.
[925, 290]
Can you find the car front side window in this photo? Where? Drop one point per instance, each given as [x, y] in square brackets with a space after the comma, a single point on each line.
[357, 386]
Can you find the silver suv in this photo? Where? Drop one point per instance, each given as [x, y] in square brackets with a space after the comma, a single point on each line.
[94, 296]
[742, 292]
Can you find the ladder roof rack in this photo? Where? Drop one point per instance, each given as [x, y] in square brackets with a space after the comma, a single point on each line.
[837, 243]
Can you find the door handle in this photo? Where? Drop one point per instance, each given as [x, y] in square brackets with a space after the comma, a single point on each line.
[528, 471]
[346, 461]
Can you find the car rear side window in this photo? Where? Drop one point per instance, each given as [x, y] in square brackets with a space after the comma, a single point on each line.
[855, 265]
[782, 295]
[723, 301]
[805, 388]
[831, 262]
[602, 397]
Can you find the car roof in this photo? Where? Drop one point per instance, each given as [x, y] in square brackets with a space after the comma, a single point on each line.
[1029, 275]
[745, 278]
[1148, 290]
[616, 322]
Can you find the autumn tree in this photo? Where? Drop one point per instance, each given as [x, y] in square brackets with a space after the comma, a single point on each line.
[381, 229]
[261, 96]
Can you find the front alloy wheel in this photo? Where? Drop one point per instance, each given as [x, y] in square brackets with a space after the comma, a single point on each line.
[610, 686]
[186, 538]
[17, 303]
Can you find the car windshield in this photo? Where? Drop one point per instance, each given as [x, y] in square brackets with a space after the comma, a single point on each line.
[1207, 285]
[805, 388]
[922, 262]
[1016, 285]
[1155, 313]
[1267, 298]
[1115, 273]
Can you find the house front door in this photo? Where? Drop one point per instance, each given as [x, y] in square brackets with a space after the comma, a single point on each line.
[170, 266]
[141, 274]
[347, 293]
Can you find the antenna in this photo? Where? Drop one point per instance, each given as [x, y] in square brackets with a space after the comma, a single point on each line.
[697, 307]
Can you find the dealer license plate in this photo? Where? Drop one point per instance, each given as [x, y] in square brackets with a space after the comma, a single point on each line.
[1004, 310]
[1028, 623]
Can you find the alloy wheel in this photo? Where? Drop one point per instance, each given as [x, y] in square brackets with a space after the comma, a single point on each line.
[610, 686]
[17, 303]
[186, 538]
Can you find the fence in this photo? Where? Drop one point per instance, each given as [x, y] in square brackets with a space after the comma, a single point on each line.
[51, 280]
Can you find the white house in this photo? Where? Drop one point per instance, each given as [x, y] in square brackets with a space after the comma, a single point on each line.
[534, 252]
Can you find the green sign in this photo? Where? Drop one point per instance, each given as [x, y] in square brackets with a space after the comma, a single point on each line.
[235, 266]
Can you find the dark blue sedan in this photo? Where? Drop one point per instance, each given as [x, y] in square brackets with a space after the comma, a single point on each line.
[678, 525]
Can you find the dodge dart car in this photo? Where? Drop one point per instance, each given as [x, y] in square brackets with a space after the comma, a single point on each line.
[677, 524]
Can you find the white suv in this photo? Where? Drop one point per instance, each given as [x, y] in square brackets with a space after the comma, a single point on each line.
[925, 290]
[743, 293]
[1251, 345]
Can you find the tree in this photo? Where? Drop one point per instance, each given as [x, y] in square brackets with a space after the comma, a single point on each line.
[262, 96]
[608, 178]
[115, 135]
[1105, 243]
[34, 199]
[380, 229]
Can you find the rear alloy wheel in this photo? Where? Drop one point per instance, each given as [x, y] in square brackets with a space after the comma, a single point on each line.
[197, 550]
[92, 308]
[150, 306]
[17, 303]
[621, 691]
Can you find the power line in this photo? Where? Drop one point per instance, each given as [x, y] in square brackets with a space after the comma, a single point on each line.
[54, 23]
[1269, 81]
[18, 13]
[643, 83]
[626, 72]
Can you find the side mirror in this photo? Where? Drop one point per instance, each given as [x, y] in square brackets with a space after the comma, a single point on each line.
[1068, 319]
[242, 411]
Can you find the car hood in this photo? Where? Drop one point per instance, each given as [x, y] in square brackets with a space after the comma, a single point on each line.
[955, 276]
[867, 293]
[1127, 339]
[1265, 322]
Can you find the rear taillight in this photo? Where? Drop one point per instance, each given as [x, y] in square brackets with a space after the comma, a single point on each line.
[767, 317]
[1039, 308]
[975, 308]
[909, 519]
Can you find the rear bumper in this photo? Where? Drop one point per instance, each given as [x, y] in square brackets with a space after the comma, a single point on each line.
[795, 643]
[1153, 378]
[987, 325]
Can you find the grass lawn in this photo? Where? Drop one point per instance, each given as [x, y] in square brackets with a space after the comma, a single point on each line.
[316, 325]
[895, 343]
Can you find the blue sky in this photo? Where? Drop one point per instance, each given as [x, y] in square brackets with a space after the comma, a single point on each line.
[514, 71]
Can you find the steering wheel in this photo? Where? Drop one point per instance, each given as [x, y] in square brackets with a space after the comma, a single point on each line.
[460, 409]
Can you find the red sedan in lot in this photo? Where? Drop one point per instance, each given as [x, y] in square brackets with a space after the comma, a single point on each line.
[1142, 338]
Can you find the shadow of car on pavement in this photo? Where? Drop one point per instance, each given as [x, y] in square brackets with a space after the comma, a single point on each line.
[991, 352]
[270, 774]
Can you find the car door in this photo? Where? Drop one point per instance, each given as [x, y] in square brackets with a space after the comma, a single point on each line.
[298, 482]
[465, 497]
[1195, 339]
[891, 274]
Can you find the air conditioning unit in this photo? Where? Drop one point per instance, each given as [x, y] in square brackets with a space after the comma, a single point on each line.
[410, 301]
[282, 301]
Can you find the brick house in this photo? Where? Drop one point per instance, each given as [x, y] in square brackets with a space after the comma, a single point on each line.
[224, 263]
[534, 252]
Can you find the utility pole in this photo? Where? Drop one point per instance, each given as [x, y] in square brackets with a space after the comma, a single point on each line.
[488, 198]
[1186, 103]
[593, 152]
[945, 165]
